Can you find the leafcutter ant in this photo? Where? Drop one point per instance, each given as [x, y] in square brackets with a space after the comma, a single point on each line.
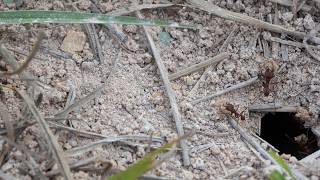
[230, 107]
[266, 74]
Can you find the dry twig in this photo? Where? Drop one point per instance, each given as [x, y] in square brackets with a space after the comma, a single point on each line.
[311, 157]
[235, 171]
[170, 93]
[75, 165]
[196, 67]
[273, 108]
[232, 88]
[88, 147]
[289, 43]
[216, 10]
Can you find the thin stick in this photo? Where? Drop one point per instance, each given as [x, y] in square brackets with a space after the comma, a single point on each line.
[197, 67]
[52, 141]
[232, 88]
[301, 5]
[255, 152]
[290, 4]
[273, 108]
[81, 102]
[235, 171]
[247, 137]
[83, 149]
[29, 58]
[95, 135]
[75, 165]
[311, 157]
[210, 68]
[216, 10]
[201, 148]
[170, 93]
[275, 45]
[289, 43]
[264, 141]
[78, 132]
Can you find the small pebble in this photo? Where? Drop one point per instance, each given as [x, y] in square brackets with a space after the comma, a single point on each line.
[287, 16]
[229, 67]
[67, 146]
[73, 42]
[308, 22]
[199, 164]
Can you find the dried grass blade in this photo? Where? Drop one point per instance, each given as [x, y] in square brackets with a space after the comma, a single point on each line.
[52, 141]
[81, 102]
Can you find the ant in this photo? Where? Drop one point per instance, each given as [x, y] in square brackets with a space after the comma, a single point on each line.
[230, 107]
[266, 74]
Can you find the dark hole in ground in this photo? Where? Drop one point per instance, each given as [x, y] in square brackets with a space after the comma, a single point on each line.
[287, 133]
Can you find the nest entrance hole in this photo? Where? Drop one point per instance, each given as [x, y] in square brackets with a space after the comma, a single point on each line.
[287, 134]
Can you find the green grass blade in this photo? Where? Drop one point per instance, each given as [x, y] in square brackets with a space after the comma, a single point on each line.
[142, 166]
[33, 16]
[281, 162]
[276, 175]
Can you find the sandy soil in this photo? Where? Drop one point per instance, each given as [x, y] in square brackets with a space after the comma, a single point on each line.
[134, 101]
